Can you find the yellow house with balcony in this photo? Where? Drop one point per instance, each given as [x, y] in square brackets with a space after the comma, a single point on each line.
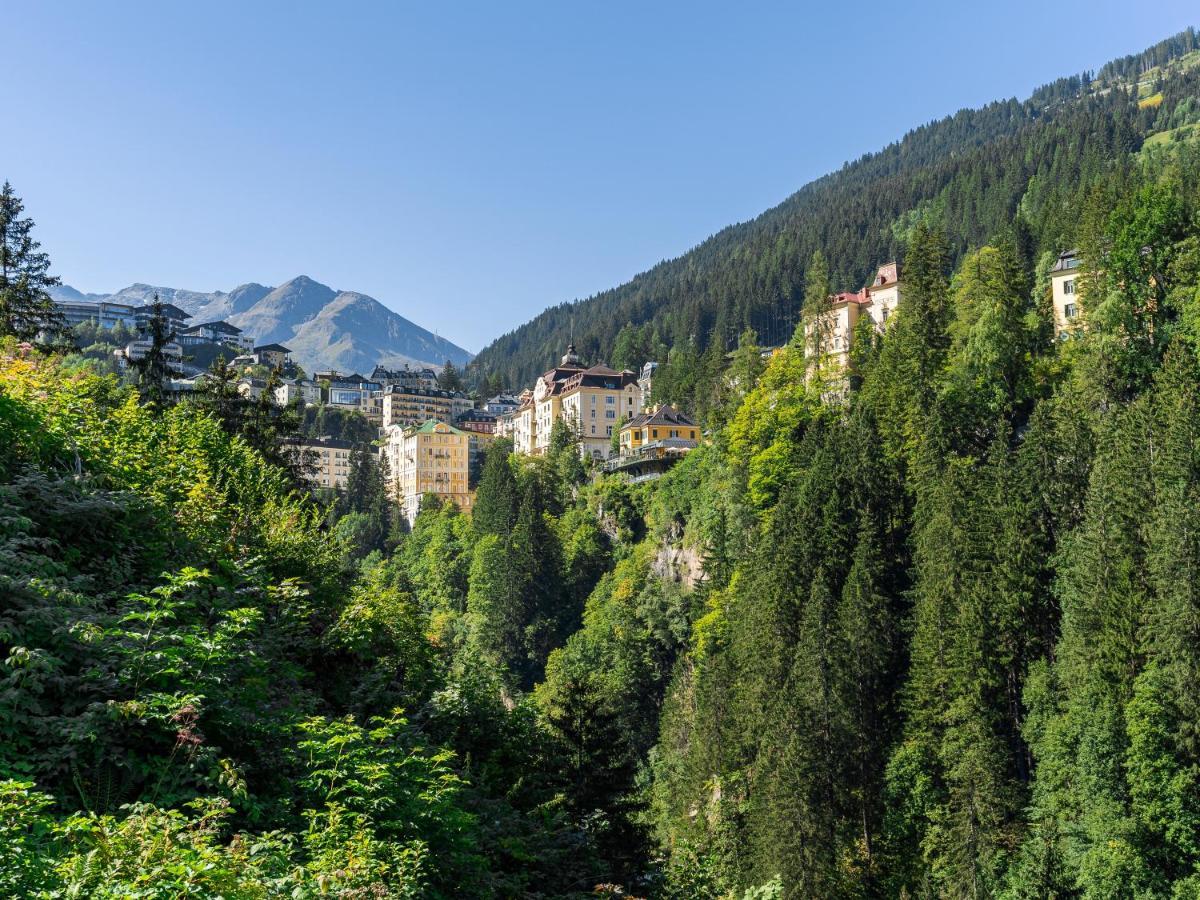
[662, 425]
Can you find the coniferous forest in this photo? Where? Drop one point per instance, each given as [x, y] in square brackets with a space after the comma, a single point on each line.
[927, 628]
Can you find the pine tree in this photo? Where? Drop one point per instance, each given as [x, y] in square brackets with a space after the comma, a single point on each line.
[497, 499]
[153, 368]
[25, 305]
[449, 379]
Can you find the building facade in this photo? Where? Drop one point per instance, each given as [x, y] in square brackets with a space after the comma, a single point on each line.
[329, 460]
[433, 458]
[104, 314]
[830, 335]
[592, 401]
[1064, 294]
[406, 406]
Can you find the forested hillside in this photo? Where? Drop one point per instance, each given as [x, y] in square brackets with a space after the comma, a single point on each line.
[1010, 166]
[925, 628]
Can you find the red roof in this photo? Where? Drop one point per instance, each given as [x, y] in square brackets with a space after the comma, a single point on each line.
[850, 297]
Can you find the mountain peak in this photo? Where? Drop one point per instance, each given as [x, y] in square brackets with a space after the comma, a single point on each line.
[326, 329]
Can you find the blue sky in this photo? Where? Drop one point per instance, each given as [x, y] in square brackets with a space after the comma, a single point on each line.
[471, 164]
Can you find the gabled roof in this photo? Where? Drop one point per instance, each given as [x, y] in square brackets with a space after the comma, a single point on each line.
[849, 297]
[598, 376]
[476, 415]
[664, 415]
[276, 348]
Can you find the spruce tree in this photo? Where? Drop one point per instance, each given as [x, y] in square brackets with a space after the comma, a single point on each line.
[25, 305]
[153, 369]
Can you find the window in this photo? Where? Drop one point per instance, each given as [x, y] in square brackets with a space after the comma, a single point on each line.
[1069, 286]
[610, 399]
[610, 414]
[609, 431]
[593, 414]
[654, 433]
[1070, 311]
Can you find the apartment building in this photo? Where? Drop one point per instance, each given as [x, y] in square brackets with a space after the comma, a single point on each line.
[433, 458]
[215, 333]
[403, 406]
[424, 378]
[829, 336]
[477, 421]
[329, 459]
[592, 401]
[1064, 294]
[104, 314]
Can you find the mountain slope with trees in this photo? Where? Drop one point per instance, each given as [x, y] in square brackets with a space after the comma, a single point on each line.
[926, 628]
[1012, 165]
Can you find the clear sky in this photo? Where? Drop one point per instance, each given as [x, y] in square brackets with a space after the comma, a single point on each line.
[471, 164]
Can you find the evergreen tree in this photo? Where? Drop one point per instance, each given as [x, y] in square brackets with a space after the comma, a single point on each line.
[153, 369]
[497, 499]
[449, 379]
[25, 305]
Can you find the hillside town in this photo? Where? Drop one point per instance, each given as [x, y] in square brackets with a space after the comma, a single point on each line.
[429, 435]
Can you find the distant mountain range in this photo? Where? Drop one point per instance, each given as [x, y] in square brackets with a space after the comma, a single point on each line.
[324, 328]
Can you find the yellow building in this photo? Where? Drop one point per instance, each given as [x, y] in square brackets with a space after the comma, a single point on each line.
[663, 425]
[433, 458]
[1064, 293]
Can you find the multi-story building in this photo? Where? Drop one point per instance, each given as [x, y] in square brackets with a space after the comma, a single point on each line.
[102, 313]
[1064, 294]
[501, 404]
[411, 406]
[175, 317]
[646, 382]
[522, 426]
[592, 401]
[215, 333]
[662, 424]
[328, 460]
[433, 458]
[477, 421]
[273, 356]
[424, 378]
[653, 441]
[354, 393]
[829, 336]
[137, 350]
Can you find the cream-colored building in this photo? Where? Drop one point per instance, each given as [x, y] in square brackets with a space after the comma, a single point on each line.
[592, 401]
[1064, 294]
[831, 334]
[404, 405]
[433, 458]
[328, 460]
[521, 425]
